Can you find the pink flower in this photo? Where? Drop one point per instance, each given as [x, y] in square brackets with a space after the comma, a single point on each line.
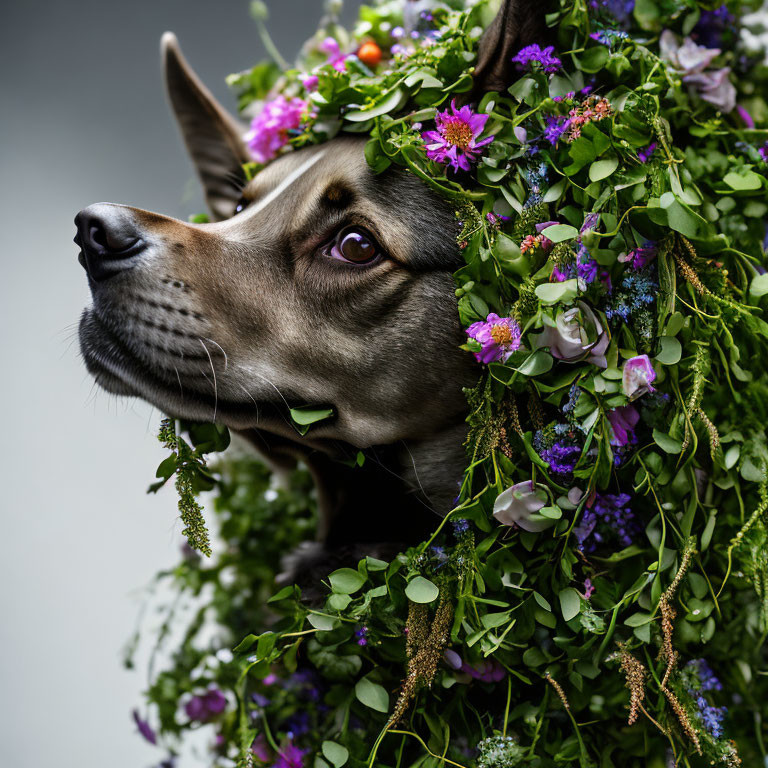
[260, 749]
[336, 58]
[488, 671]
[269, 129]
[637, 377]
[309, 81]
[455, 142]
[499, 337]
[623, 421]
[589, 590]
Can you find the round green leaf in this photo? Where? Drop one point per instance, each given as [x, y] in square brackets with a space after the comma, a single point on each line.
[745, 181]
[558, 233]
[551, 293]
[570, 603]
[602, 169]
[670, 352]
[345, 581]
[372, 695]
[335, 753]
[537, 363]
[757, 288]
[666, 443]
[421, 590]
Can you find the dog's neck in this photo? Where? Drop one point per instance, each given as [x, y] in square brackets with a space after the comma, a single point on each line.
[397, 495]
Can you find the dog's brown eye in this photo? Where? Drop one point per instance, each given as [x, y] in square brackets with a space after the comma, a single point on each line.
[356, 246]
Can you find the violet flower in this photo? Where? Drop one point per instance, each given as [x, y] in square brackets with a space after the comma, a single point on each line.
[145, 729]
[555, 128]
[499, 337]
[637, 377]
[260, 749]
[516, 505]
[269, 129]
[644, 155]
[623, 421]
[207, 706]
[455, 142]
[577, 335]
[290, 756]
[534, 54]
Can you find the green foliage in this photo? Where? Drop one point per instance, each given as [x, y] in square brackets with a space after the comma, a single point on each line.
[568, 635]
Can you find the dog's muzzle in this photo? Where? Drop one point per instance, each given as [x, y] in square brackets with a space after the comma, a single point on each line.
[109, 240]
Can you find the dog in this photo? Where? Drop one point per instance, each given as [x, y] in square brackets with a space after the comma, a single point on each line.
[317, 283]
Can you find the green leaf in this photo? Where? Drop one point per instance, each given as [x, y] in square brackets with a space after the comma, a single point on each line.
[304, 417]
[570, 603]
[389, 104]
[537, 363]
[744, 181]
[421, 590]
[670, 352]
[558, 233]
[372, 695]
[602, 169]
[345, 581]
[666, 443]
[551, 293]
[336, 753]
[757, 288]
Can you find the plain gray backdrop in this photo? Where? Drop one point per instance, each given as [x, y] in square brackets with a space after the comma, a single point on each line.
[83, 118]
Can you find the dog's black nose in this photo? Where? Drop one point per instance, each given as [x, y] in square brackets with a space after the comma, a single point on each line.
[109, 239]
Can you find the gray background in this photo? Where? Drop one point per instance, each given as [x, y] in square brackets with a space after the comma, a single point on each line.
[82, 119]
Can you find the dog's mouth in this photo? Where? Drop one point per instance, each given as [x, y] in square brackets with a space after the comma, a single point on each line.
[118, 370]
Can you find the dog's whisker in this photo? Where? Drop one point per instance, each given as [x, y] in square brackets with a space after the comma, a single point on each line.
[226, 359]
[415, 471]
[215, 385]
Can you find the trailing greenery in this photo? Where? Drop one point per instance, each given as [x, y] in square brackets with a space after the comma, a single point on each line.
[599, 594]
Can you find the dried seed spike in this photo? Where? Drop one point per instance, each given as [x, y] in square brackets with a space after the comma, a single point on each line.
[558, 689]
[635, 673]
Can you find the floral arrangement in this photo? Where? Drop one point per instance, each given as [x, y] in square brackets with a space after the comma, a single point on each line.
[599, 594]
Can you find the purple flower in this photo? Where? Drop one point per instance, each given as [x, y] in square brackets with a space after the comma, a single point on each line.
[452, 659]
[589, 590]
[455, 142]
[362, 635]
[260, 748]
[591, 220]
[544, 57]
[290, 756]
[607, 513]
[499, 337]
[206, 706]
[641, 256]
[488, 671]
[516, 505]
[707, 678]
[562, 457]
[560, 275]
[337, 59]
[763, 152]
[746, 118]
[586, 269]
[712, 25]
[555, 128]
[644, 155]
[269, 129]
[145, 729]
[637, 377]
[577, 334]
[623, 421]
[460, 526]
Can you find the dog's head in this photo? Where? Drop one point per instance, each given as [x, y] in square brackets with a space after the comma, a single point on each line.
[318, 284]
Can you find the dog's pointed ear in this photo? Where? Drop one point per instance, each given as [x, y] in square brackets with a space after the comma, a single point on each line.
[212, 136]
[517, 24]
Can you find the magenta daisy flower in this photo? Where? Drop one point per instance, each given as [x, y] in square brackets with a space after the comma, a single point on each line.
[455, 142]
[499, 337]
[269, 129]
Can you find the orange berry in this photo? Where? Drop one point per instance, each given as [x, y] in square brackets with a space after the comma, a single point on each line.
[369, 53]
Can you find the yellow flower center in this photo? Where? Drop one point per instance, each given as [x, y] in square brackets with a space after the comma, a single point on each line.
[458, 133]
[501, 334]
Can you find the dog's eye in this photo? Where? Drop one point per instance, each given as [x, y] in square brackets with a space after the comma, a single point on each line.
[242, 204]
[356, 246]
